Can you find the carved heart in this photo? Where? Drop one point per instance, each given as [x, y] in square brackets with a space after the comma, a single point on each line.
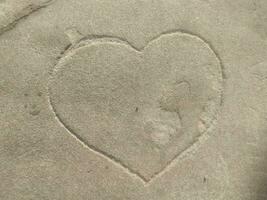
[138, 107]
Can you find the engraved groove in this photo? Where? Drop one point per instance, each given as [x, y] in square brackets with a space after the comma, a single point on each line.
[107, 156]
[23, 14]
[111, 39]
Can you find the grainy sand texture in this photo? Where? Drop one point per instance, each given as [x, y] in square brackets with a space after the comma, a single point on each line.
[133, 100]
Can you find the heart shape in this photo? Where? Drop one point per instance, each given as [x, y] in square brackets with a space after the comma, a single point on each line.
[138, 107]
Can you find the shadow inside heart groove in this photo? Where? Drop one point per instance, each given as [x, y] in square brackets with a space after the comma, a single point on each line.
[140, 108]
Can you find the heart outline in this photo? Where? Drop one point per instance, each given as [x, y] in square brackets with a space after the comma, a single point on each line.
[134, 173]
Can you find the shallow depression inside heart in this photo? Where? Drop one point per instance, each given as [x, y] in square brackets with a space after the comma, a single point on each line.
[141, 108]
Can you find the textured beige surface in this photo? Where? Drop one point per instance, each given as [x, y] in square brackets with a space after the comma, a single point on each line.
[133, 99]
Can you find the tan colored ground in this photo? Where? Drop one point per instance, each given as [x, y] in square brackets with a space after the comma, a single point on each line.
[133, 100]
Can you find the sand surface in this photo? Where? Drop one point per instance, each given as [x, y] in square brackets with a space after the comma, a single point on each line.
[133, 100]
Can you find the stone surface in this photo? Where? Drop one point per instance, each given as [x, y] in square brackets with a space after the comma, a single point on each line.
[133, 99]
